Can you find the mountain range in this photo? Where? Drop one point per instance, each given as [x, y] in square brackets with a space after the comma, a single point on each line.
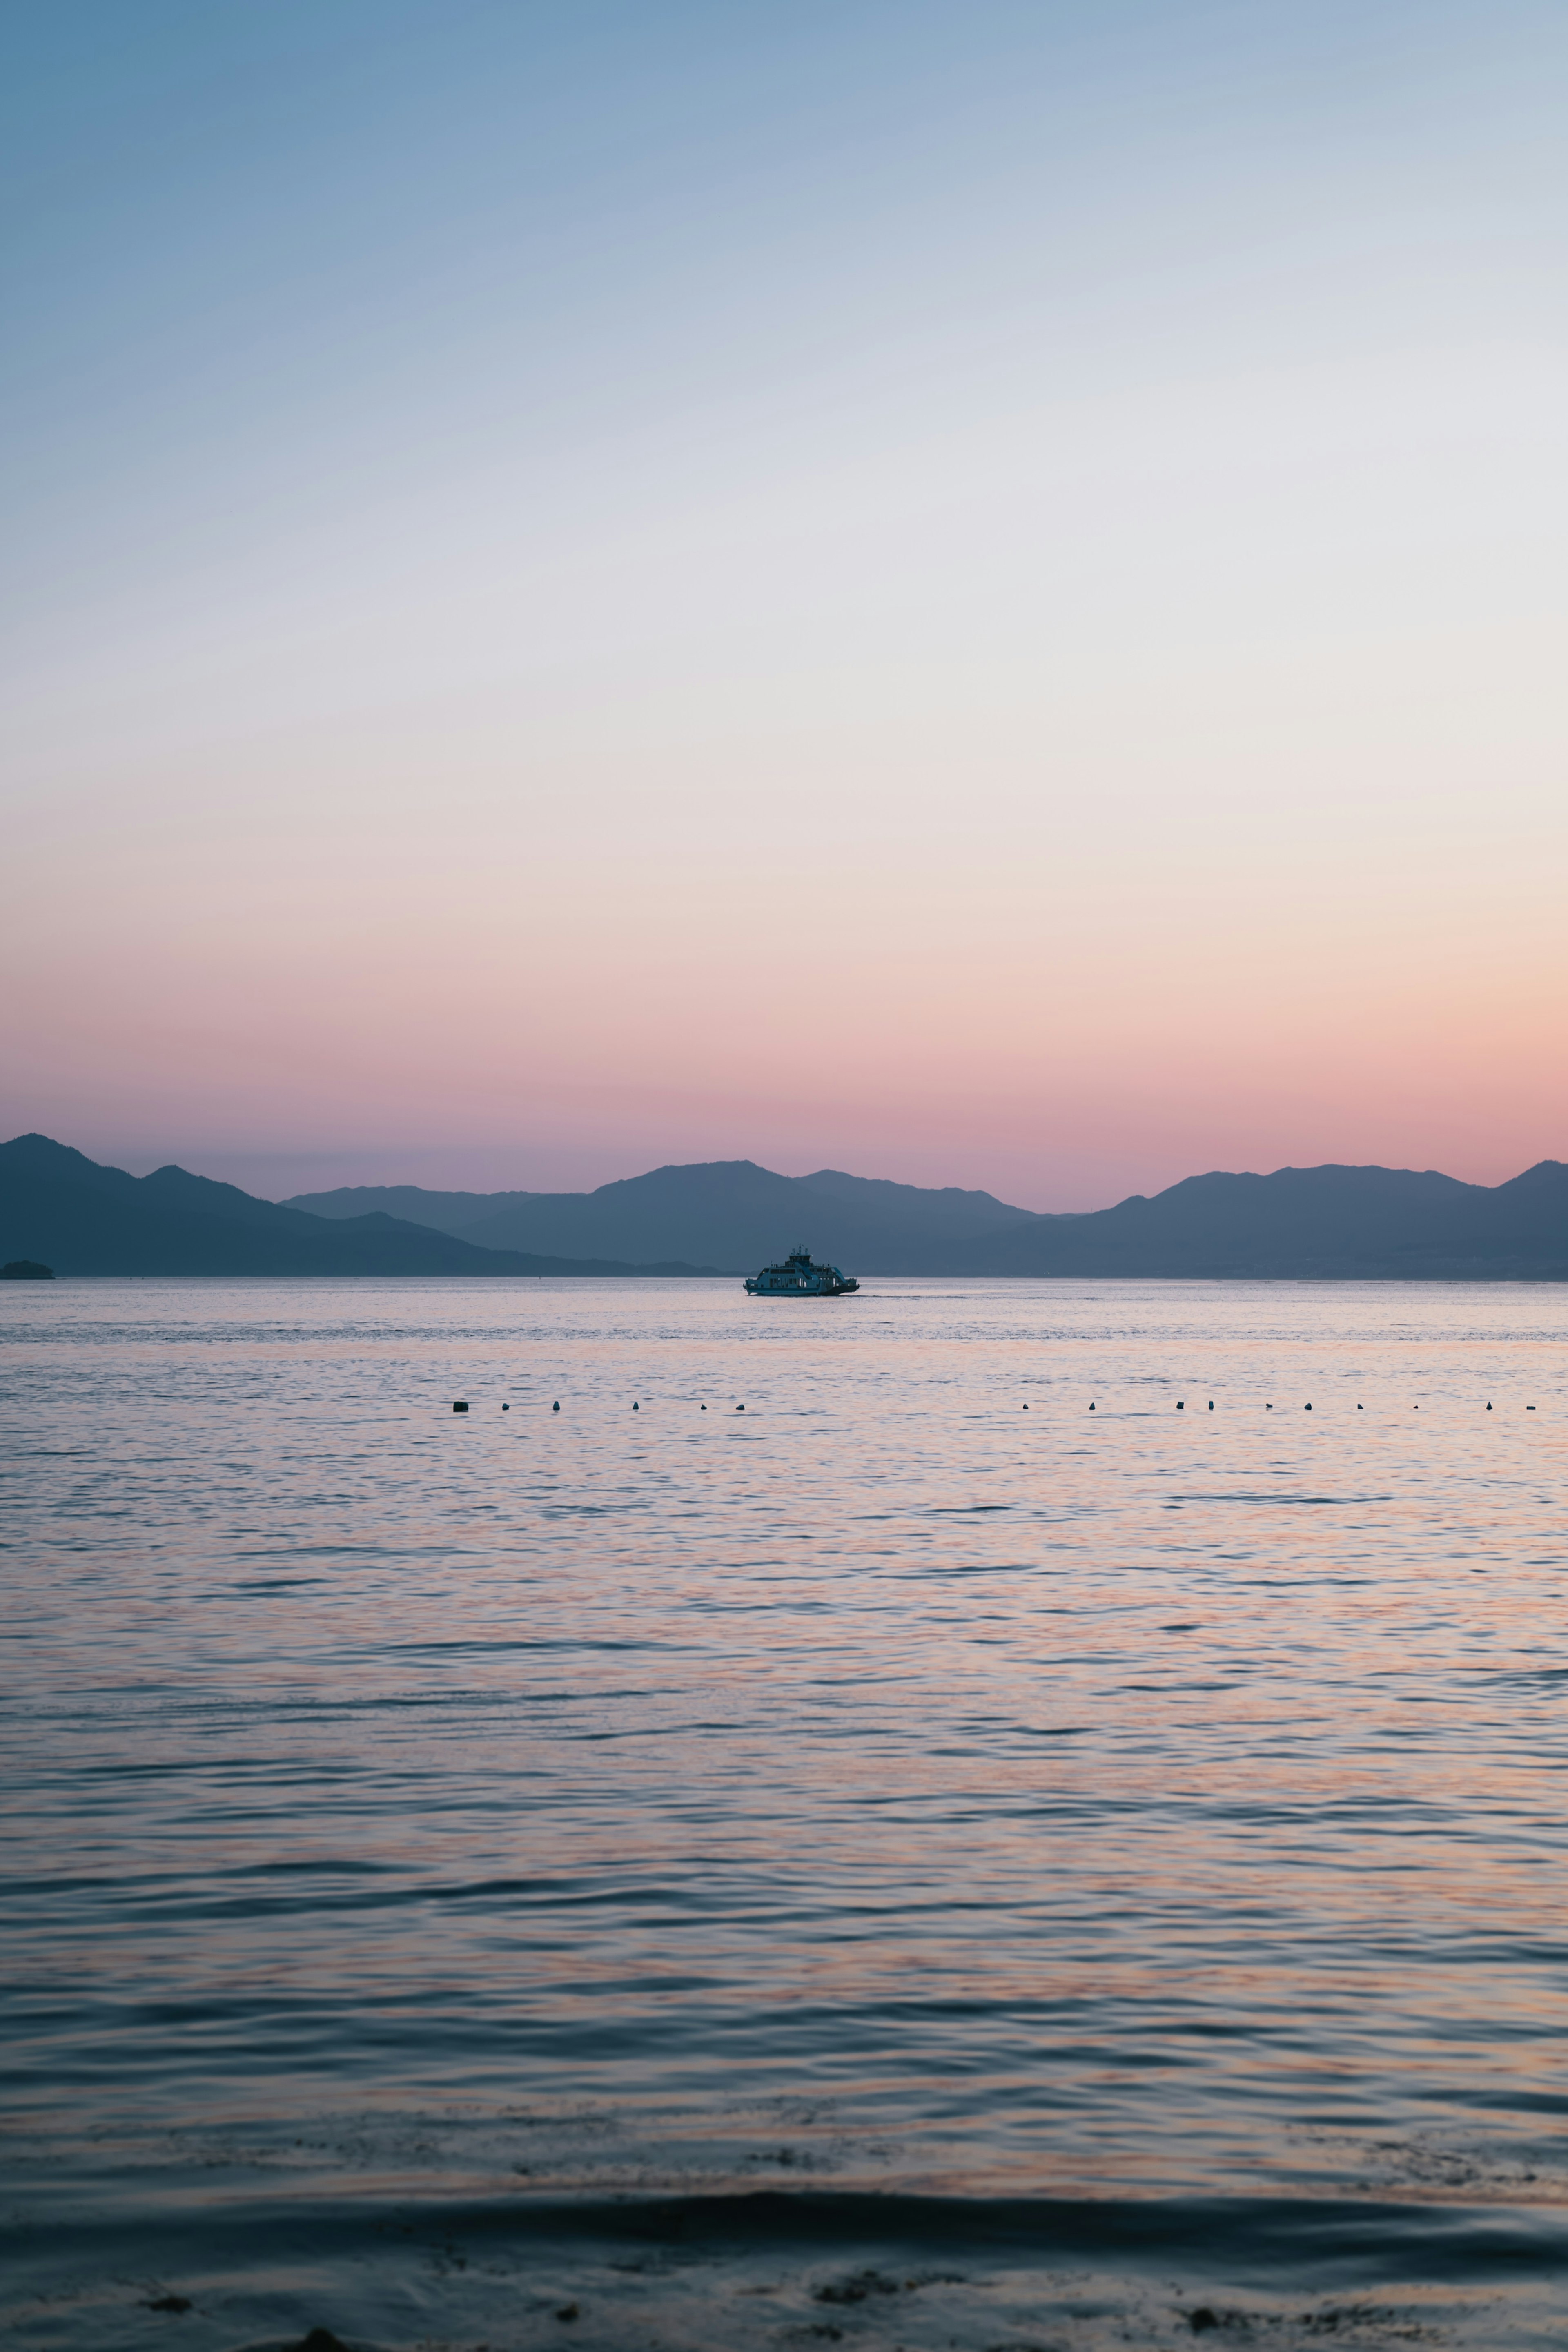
[1298, 1222]
[723, 1212]
[81, 1218]
[731, 1216]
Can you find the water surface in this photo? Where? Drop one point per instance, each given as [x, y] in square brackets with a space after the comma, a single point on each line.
[912, 1857]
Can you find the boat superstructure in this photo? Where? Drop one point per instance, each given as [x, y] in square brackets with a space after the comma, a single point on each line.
[798, 1277]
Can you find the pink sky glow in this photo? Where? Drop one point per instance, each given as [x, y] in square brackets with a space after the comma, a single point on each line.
[1011, 638]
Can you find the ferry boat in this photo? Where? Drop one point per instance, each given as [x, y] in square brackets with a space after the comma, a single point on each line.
[798, 1278]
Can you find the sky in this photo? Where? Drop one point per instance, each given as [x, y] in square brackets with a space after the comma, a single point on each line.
[973, 593]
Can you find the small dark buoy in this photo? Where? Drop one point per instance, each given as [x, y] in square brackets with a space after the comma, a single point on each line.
[636, 1406]
[1529, 1408]
[1267, 1408]
[1026, 1407]
[505, 1408]
[1211, 1404]
[556, 1407]
[1306, 1408]
[740, 1408]
[1359, 1408]
[458, 1406]
[1091, 1408]
[1489, 1408]
[1181, 1404]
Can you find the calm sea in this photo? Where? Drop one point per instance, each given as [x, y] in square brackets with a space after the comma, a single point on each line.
[915, 1861]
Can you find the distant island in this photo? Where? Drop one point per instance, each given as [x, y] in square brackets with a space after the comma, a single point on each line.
[26, 1269]
[59, 1209]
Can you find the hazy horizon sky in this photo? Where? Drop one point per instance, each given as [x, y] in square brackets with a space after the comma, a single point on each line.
[975, 594]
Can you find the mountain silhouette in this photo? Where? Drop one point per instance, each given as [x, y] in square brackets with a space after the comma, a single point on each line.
[725, 1213]
[1303, 1224]
[57, 1205]
[732, 1216]
[1336, 1222]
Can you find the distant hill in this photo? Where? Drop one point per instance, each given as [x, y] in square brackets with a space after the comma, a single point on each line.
[63, 1209]
[60, 1207]
[725, 1213]
[1344, 1224]
[1333, 1222]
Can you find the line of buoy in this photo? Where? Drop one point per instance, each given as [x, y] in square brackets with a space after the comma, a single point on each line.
[460, 1404]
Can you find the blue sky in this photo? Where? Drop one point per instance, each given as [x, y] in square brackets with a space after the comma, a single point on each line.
[490, 489]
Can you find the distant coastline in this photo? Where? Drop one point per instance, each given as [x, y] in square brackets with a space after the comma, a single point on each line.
[59, 1209]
